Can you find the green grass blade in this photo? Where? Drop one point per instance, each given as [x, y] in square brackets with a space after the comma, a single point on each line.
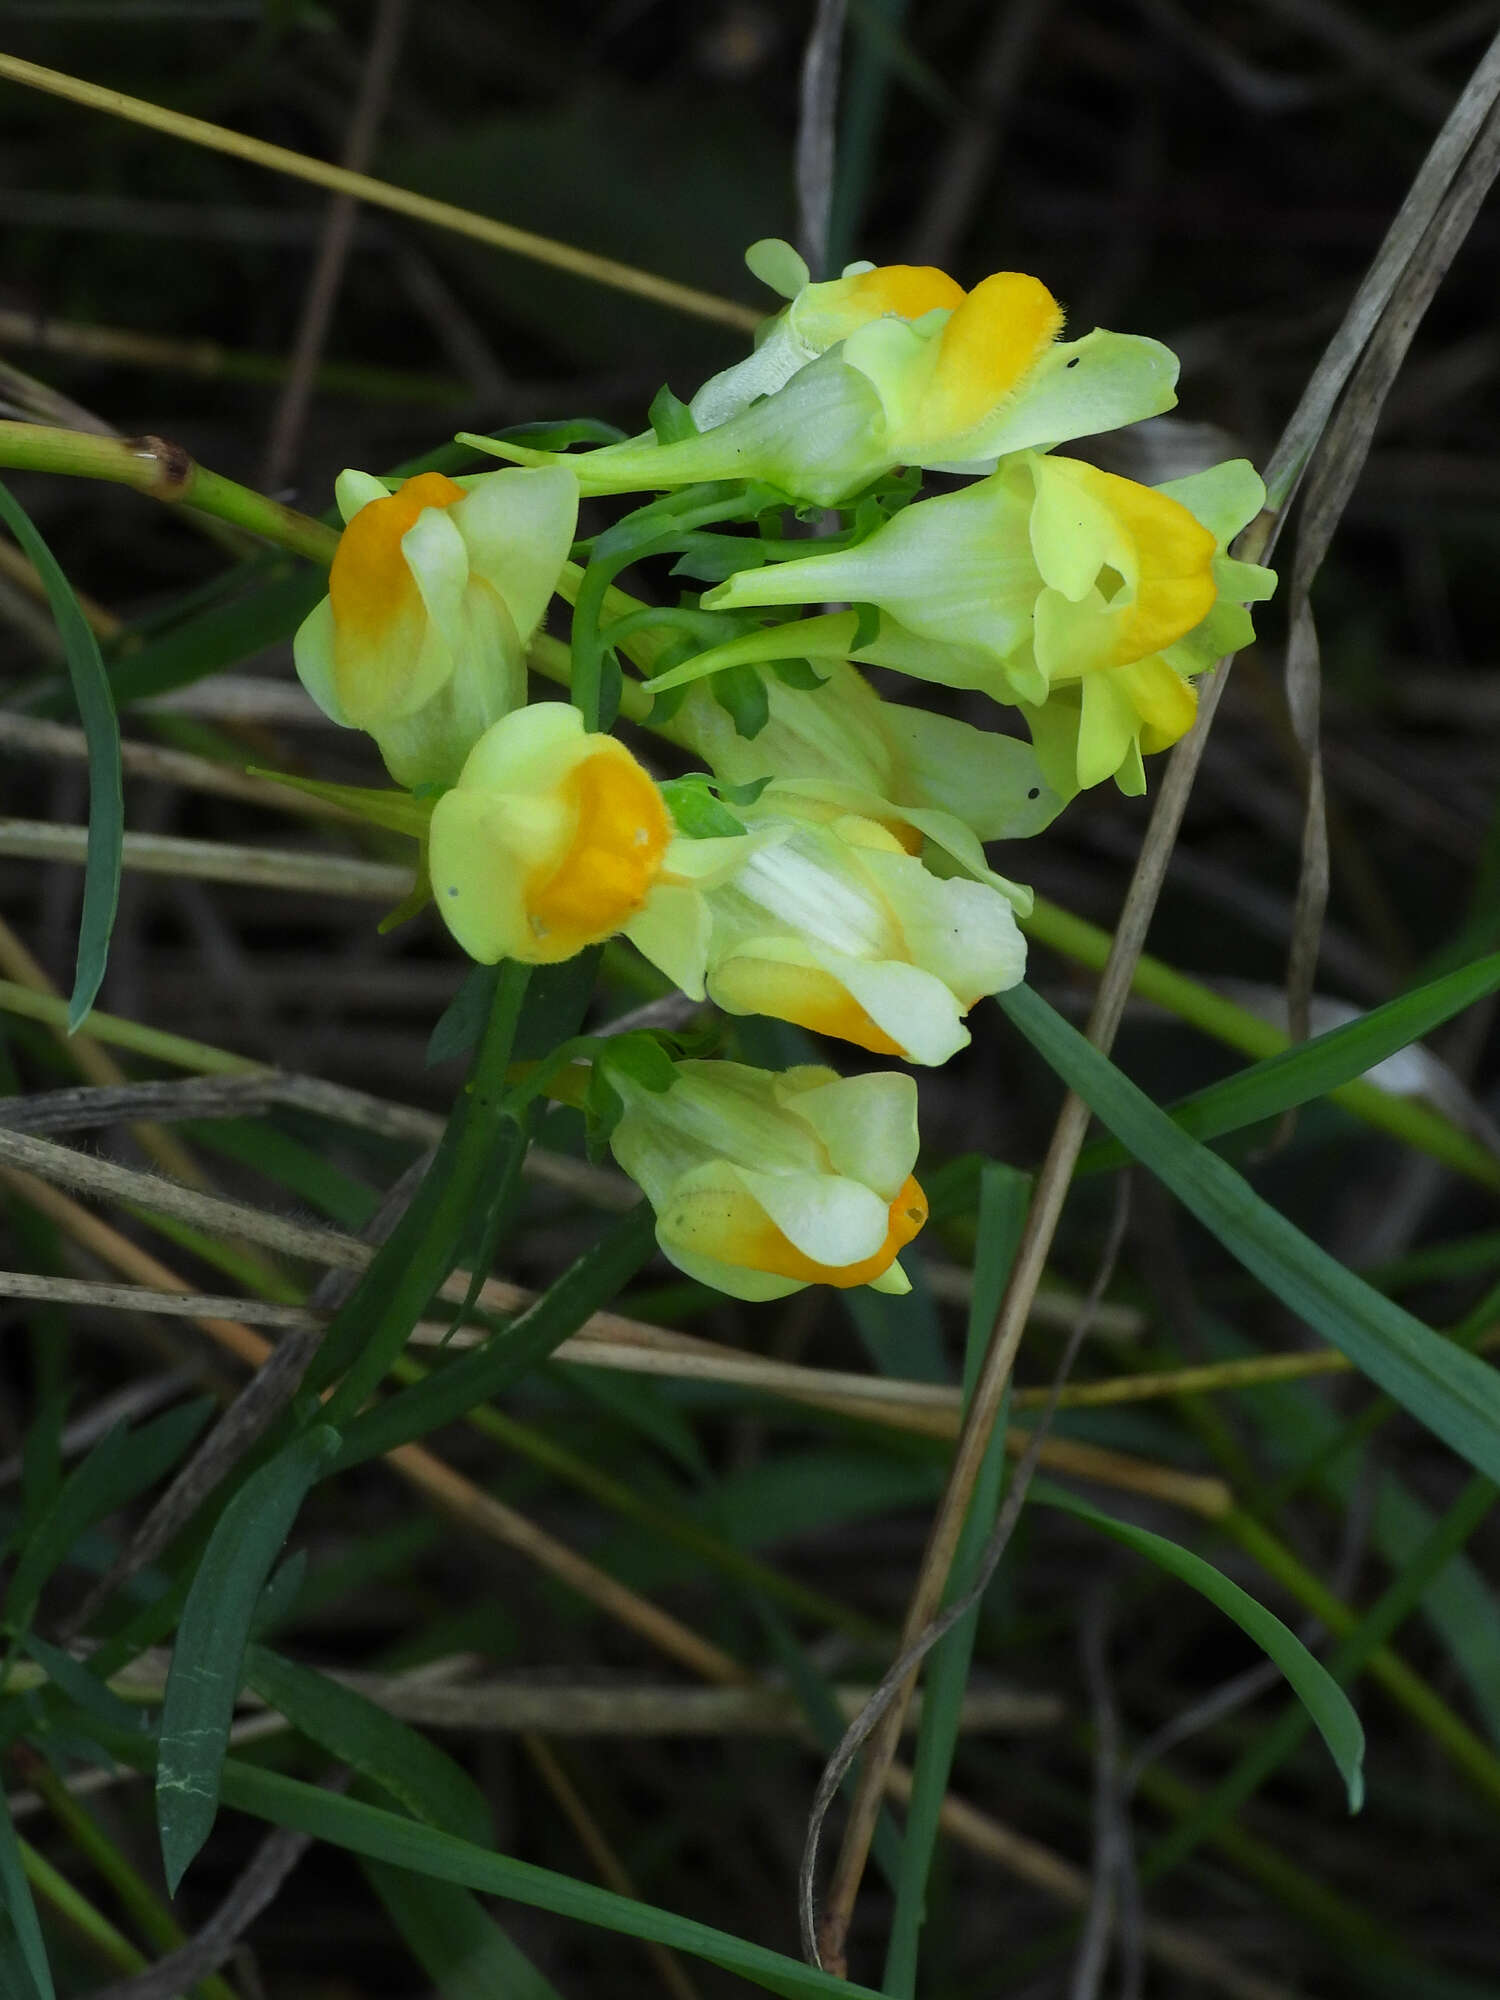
[372, 1326]
[18, 1908]
[384, 1836]
[422, 1779]
[1319, 1065]
[1325, 1702]
[1450, 1391]
[463, 1951]
[1272, 1746]
[101, 728]
[487, 1371]
[1003, 1197]
[119, 1467]
[209, 1653]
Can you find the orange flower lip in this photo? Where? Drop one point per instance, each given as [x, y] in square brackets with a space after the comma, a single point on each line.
[370, 584]
[615, 855]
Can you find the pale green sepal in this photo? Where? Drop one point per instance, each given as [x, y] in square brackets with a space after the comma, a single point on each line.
[312, 656]
[1077, 388]
[982, 777]
[397, 812]
[868, 1124]
[1245, 583]
[1224, 497]
[673, 932]
[353, 490]
[436, 555]
[779, 267]
[518, 530]
[820, 437]
[755, 1287]
[892, 1280]
[828, 635]
[1131, 776]
[829, 1218]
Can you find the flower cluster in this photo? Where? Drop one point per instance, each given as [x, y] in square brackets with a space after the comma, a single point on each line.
[825, 864]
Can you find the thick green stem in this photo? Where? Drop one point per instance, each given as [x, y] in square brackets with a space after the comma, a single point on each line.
[164, 471]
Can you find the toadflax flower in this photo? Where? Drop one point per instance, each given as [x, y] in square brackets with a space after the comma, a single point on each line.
[434, 591]
[842, 739]
[552, 840]
[763, 1184]
[886, 367]
[830, 922]
[1047, 575]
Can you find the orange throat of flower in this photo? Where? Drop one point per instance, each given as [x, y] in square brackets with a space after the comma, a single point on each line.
[620, 836]
[778, 1255]
[370, 584]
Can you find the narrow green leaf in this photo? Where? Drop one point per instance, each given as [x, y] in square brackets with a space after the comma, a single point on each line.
[119, 1467]
[1273, 1745]
[487, 1371]
[1320, 1694]
[419, 1777]
[209, 1654]
[1321, 1064]
[1003, 1198]
[101, 728]
[372, 1326]
[84, 1689]
[16, 1904]
[1455, 1394]
[385, 1836]
[463, 1951]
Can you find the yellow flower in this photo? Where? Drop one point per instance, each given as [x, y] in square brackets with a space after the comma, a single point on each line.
[550, 841]
[887, 367]
[763, 1184]
[842, 740]
[434, 591]
[829, 920]
[1046, 576]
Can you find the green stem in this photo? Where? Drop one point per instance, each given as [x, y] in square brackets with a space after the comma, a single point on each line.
[164, 471]
[112, 1945]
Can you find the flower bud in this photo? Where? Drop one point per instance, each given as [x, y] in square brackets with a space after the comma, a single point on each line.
[763, 1184]
[434, 591]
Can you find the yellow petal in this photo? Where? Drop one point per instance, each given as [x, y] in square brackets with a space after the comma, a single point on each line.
[999, 332]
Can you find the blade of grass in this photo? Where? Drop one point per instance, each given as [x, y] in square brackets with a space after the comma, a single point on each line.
[380, 194]
[1414, 1124]
[1324, 1702]
[419, 1777]
[16, 1904]
[385, 1836]
[118, 1468]
[486, 1372]
[1316, 1067]
[1450, 1391]
[463, 1951]
[1274, 1745]
[101, 727]
[207, 1659]
[1003, 1197]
